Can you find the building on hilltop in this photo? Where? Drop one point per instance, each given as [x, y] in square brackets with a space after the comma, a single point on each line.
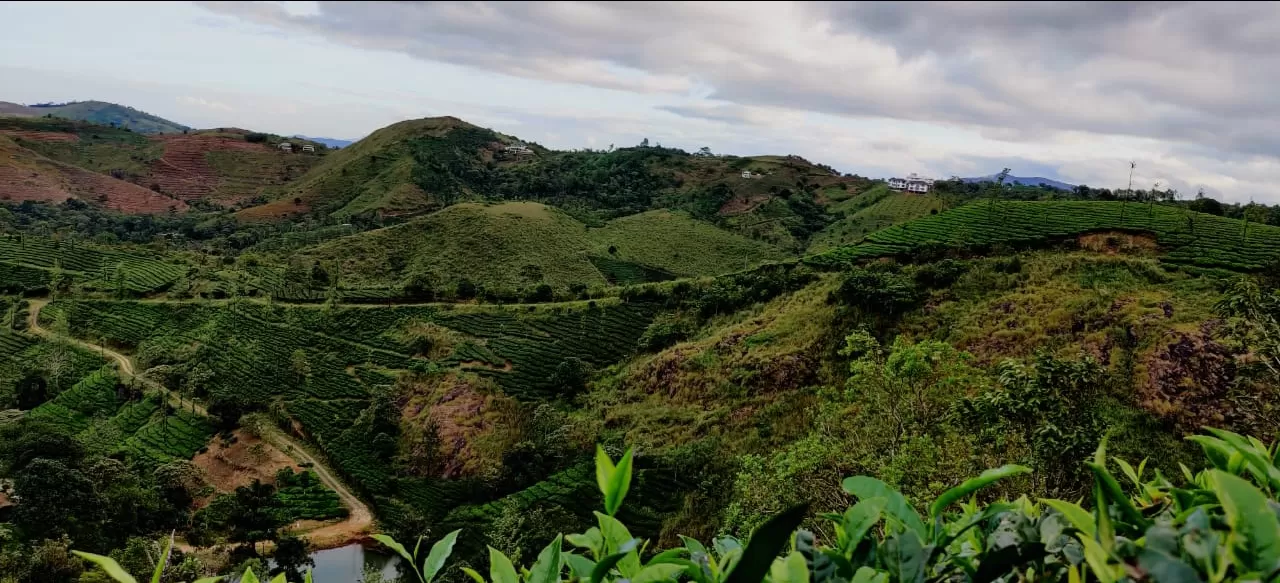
[518, 151]
[912, 183]
[286, 147]
[308, 148]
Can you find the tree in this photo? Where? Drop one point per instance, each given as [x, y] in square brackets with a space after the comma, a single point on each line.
[301, 366]
[56, 499]
[291, 557]
[255, 515]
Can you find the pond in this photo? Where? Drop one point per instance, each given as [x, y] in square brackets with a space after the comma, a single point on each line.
[347, 564]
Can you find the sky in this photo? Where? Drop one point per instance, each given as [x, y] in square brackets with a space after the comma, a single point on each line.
[1069, 91]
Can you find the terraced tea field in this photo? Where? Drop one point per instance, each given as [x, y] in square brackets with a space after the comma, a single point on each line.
[103, 269]
[1184, 237]
[316, 367]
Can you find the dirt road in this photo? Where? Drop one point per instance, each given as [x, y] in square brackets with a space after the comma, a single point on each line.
[358, 522]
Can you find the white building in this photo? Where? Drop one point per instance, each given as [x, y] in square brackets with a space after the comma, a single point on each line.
[308, 148]
[286, 146]
[912, 183]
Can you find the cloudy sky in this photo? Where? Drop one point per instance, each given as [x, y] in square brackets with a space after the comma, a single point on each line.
[1063, 90]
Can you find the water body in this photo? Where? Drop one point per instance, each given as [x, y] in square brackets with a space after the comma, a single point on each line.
[347, 564]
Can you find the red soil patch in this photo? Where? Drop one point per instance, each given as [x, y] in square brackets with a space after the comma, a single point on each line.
[743, 204]
[25, 175]
[272, 211]
[227, 467]
[41, 136]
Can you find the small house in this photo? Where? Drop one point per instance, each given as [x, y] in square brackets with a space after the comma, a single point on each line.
[286, 147]
[308, 148]
[912, 183]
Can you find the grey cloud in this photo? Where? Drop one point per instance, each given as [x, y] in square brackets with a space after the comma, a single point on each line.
[1197, 73]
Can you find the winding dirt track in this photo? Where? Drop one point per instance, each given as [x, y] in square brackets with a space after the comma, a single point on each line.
[358, 522]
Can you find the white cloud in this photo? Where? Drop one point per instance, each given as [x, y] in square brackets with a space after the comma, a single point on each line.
[205, 103]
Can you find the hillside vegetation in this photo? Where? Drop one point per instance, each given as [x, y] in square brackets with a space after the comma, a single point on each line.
[520, 245]
[1184, 237]
[105, 114]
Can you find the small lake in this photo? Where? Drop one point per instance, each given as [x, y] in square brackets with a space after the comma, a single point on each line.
[347, 564]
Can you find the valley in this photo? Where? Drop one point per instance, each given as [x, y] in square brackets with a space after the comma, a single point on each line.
[269, 351]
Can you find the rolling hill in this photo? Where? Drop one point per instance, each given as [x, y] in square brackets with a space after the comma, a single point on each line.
[98, 112]
[220, 165]
[519, 245]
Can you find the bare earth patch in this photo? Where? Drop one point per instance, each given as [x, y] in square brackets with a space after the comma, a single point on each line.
[1113, 242]
[239, 464]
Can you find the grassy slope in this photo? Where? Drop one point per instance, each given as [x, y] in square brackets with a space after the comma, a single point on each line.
[889, 210]
[486, 244]
[495, 245]
[1184, 237]
[679, 244]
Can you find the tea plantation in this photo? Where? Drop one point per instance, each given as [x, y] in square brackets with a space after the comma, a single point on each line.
[104, 269]
[1185, 237]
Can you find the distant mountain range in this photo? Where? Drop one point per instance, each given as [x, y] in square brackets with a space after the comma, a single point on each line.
[1025, 181]
[330, 142]
[99, 112]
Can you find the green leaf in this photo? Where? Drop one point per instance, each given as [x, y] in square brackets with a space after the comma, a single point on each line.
[1163, 568]
[1258, 458]
[858, 520]
[657, 573]
[904, 557]
[973, 485]
[1255, 532]
[278, 579]
[869, 575]
[164, 559]
[605, 565]
[791, 569]
[896, 505]
[473, 574]
[108, 565]
[617, 538]
[604, 474]
[591, 540]
[500, 568]
[1098, 560]
[579, 565]
[547, 568]
[1116, 496]
[1080, 518]
[395, 546]
[248, 576]
[306, 579]
[693, 545]
[668, 556]
[619, 484]
[999, 563]
[765, 544]
[439, 554]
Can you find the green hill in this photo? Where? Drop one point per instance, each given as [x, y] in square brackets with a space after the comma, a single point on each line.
[1183, 237]
[886, 210]
[404, 168]
[519, 245]
[110, 114]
